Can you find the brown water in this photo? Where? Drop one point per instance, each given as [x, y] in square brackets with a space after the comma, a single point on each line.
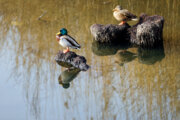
[136, 85]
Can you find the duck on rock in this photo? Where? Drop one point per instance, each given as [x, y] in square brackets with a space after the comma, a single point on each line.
[123, 15]
[66, 40]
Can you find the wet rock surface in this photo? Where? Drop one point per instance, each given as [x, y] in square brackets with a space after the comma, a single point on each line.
[110, 33]
[71, 59]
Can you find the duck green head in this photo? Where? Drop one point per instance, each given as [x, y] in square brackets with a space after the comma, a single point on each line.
[63, 31]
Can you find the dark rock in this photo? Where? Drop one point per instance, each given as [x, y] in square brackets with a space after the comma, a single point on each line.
[71, 59]
[146, 33]
[110, 33]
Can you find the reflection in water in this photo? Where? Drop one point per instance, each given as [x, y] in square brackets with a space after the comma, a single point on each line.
[144, 55]
[124, 57]
[67, 76]
[104, 49]
[150, 56]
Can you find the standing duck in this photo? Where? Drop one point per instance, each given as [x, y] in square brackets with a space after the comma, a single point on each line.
[123, 15]
[66, 41]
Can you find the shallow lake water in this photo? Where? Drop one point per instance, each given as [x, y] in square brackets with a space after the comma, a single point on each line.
[139, 84]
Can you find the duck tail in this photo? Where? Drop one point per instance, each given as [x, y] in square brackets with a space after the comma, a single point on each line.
[78, 47]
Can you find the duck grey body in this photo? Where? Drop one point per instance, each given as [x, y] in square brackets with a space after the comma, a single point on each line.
[67, 41]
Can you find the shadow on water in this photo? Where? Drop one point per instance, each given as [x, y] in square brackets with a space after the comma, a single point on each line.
[67, 76]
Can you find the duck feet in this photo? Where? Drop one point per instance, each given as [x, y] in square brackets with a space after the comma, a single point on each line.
[65, 51]
[123, 22]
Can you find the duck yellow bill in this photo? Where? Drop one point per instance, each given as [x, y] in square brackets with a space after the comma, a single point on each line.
[58, 33]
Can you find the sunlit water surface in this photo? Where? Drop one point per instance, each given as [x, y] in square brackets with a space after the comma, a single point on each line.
[135, 85]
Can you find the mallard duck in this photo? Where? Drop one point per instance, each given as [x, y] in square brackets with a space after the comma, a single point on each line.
[66, 41]
[123, 15]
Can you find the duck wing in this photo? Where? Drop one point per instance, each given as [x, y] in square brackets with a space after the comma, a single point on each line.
[128, 14]
[71, 41]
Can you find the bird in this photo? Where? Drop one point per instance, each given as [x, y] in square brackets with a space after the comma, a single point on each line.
[123, 15]
[66, 40]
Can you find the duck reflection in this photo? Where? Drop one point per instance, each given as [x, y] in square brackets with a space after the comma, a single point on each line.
[150, 56]
[124, 57]
[67, 76]
[145, 56]
[104, 49]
